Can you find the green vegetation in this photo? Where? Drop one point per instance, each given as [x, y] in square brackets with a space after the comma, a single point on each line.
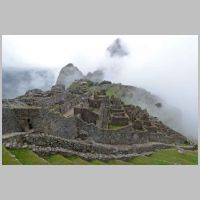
[27, 157]
[168, 157]
[8, 158]
[96, 162]
[117, 162]
[58, 160]
[114, 91]
[93, 88]
[81, 86]
[77, 161]
[163, 157]
[55, 108]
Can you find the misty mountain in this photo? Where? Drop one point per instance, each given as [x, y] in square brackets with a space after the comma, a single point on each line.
[16, 81]
[118, 49]
[96, 76]
[70, 73]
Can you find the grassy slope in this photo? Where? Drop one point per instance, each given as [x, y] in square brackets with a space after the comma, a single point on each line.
[163, 157]
[168, 157]
[27, 157]
[8, 158]
[58, 160]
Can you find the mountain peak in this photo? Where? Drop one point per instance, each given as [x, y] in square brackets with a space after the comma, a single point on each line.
[118, 49]
[68, 74]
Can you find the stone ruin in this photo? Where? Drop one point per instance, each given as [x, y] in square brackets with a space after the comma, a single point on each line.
[109, 113]
[103, 111]
[92, 125]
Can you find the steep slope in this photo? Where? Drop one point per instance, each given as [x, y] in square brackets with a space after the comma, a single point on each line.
[155, 106]
[68, 74]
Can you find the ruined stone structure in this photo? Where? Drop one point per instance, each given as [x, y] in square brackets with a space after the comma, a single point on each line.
[110, 111]
[92, 123]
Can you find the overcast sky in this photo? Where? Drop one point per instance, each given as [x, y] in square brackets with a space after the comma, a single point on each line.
[164, 65]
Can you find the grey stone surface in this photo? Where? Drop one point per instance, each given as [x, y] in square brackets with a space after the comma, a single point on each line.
[44, 144]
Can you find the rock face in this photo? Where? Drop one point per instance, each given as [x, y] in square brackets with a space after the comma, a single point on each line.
[96, 76]
[68, 74]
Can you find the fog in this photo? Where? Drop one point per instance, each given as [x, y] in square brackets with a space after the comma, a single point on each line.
[164, 65]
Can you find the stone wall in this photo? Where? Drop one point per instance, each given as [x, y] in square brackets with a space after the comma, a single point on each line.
[159, 137]
[94, 103]
[119, 120]
[37, 119]
[124, 135]
[44, 144]
[86, 115]
[56, 124]
[20, 119]
[70, 102]
[9, 121]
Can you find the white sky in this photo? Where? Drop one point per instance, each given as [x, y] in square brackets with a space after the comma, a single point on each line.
[56, 51]
[164, 65]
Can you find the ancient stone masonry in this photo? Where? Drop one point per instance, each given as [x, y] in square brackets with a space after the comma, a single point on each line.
[44, 144]
[20, 119]
[91, 125]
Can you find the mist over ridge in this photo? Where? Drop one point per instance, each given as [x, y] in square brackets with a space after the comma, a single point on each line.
[172, 75]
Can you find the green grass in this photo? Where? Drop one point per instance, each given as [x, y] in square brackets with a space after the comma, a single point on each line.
[8, 158]
[114, 91]
[27, 157]
[77, 161]
[116, 162]
[96, 162]
[93, 88]
[163, 157]
[58, 160]
[167, 157]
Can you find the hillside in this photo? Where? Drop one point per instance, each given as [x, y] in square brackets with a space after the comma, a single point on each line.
[155, 106]
[163, 157]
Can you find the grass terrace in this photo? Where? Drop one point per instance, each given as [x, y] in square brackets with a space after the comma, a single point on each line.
[163, 157]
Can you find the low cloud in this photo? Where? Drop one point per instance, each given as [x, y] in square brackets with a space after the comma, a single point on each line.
[166, 66]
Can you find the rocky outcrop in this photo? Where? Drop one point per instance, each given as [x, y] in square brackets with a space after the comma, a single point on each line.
[68, 74]
[96, 76]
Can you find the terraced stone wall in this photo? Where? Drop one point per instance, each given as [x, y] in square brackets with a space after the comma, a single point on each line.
[126, 135]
